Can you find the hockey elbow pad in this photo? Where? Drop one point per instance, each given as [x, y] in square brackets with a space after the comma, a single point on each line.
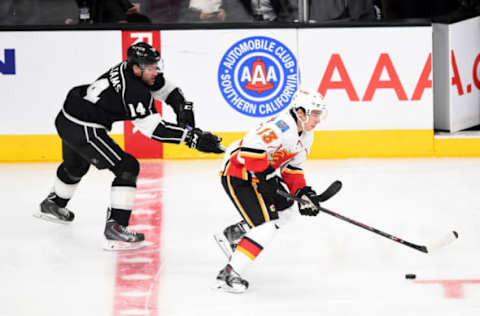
[185, 115]
[183, 108]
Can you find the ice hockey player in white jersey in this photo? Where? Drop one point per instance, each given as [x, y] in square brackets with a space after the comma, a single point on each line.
[124, 93]
[254, 169]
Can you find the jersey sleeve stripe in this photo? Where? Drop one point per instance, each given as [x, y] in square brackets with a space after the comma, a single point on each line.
[246, 152]
[293, 168]
[252, 150]
[124, 85]
[290, 171]
[252, 155]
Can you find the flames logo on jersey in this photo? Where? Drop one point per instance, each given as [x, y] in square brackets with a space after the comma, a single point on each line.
[258, 76]
[280, 156]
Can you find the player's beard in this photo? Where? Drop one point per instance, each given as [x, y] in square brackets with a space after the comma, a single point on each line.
[149, 80]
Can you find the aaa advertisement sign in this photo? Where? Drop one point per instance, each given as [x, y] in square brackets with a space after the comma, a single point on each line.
[372, 78]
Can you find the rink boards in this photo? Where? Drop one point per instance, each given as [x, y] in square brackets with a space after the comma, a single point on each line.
[377, 83]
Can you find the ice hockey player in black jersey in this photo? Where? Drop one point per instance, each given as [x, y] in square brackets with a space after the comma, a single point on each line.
[126, 92]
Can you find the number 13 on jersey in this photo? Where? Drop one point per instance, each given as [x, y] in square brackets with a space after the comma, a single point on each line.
[267, 134]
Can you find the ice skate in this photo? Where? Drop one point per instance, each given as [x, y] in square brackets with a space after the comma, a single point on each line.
[118, 237]
[229, 280]
[50, 211]
[230, 237]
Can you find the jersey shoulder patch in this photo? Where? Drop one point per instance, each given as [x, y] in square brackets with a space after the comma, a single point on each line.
[282, 125]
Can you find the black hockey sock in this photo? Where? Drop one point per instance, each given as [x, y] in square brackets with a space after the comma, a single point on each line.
[60, 202]
[120, 216]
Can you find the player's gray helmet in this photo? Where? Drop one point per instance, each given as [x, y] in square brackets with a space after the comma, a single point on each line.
[142, 54]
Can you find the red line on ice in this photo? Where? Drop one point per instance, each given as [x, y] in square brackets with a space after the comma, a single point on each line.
[452, 288]
[138, 271]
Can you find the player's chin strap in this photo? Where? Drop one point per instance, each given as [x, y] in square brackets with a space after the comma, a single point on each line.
[142, 67]
[297, 119]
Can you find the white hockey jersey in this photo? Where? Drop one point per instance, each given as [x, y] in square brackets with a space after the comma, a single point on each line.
[275, 143]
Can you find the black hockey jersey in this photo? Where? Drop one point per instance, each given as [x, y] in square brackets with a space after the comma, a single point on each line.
[119, 95]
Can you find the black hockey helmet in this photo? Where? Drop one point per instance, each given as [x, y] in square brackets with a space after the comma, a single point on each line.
[142, 54]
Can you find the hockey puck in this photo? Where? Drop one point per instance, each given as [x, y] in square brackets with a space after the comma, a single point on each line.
[410, 276]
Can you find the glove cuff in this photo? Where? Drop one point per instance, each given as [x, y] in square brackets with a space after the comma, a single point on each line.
[191, 137]
[303, 190]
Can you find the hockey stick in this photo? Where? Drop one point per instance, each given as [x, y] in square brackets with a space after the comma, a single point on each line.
[452, 236]
[329, 192]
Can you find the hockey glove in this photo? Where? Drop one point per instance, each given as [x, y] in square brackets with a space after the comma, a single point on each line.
[268, 184]
[311, 208]
[204, 141]
[185, 116]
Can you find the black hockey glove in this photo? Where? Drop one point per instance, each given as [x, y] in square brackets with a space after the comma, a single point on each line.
[185, 116]
[268, 184]
[311, 208]
[204, 141]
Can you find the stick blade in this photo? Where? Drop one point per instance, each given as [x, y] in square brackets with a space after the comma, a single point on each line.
[443, 242]
[330, 191]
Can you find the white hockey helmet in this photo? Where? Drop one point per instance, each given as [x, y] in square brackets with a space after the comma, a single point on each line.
[309, 101]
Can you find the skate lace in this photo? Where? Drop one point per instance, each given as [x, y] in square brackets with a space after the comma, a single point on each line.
[125, 230]
[234, 278]
[64, 211]
[231, 276]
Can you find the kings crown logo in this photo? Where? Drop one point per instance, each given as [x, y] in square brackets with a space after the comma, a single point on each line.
[258, 76]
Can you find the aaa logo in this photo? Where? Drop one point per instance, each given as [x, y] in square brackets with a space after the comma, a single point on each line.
[258, 76]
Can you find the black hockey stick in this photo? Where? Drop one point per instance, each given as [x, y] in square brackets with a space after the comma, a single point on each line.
[452, 236]
[329, 192]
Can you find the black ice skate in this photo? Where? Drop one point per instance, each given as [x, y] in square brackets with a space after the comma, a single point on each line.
[229, 280]
[118, 237]
[50, 211]
[230, 237]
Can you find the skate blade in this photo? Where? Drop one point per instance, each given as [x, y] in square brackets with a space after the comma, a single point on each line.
[224, 245]
[50, 218]
[116, 245]
[221, 286]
